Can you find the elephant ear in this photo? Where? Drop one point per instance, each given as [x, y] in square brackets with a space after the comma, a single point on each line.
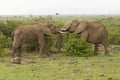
[81, 27]
[46, 30]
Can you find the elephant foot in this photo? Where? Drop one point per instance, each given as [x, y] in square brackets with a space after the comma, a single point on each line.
[16, 60]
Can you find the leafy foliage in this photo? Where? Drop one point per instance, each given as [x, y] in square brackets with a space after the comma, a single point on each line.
[4, 44]
[8, 25]
[114, 35]
[77, 47]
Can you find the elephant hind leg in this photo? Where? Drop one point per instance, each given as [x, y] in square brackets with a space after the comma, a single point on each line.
[95, 49]
[106, 48]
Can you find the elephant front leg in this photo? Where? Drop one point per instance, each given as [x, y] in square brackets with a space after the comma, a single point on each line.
[95, 49]
[106, 48]
[83, 36]
[44, 51]
[15, 59]
[58, 42]
[13, 51]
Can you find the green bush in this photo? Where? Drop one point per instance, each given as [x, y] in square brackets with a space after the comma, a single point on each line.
[5, 43]
[114, 35]
[77, 47]
[8, 25]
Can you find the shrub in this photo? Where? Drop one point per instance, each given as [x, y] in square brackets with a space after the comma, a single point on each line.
[8, 25]
[51, 42]
[4, 44]
[114, 35]
[77, 47]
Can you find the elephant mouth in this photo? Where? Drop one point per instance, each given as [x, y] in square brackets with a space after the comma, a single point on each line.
[46, 35]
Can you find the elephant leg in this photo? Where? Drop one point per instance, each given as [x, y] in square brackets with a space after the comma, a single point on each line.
[19, 52]
[95, 49]
[17, 59]
[44, 51]
[43, 47]
[58, 42]
[106, 48]
[14, 50]
[84, 36]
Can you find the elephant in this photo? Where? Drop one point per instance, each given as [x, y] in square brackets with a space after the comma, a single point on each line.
[91, 32]
[58, 42]
[31, 34]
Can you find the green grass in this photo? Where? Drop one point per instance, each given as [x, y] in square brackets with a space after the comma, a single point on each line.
[58, 67]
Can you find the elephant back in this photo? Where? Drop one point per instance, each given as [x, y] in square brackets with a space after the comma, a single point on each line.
[96, 25]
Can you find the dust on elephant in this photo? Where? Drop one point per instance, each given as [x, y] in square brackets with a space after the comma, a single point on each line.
[31, 34]
[92, 32]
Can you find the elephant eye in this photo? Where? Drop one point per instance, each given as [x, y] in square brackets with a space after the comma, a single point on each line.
[52, 27]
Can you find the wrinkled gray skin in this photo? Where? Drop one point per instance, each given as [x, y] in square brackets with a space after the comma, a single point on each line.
[58, 42]
[92, 32]
[31, 34]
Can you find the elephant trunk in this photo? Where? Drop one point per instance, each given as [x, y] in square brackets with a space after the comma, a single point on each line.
[58, 42]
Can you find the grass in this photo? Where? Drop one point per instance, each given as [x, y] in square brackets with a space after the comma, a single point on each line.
[58, 67]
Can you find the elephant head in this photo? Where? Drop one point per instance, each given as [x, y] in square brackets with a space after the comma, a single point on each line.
[49, 29]
[74, 26]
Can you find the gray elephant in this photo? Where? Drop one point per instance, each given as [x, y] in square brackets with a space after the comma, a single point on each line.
[92, 32]
[31, 34]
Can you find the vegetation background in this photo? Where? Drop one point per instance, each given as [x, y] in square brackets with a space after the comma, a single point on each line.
[8, 24]
[59, 67]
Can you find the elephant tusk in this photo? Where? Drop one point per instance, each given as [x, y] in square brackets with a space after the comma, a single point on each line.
[63, 29]
[61, 32]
